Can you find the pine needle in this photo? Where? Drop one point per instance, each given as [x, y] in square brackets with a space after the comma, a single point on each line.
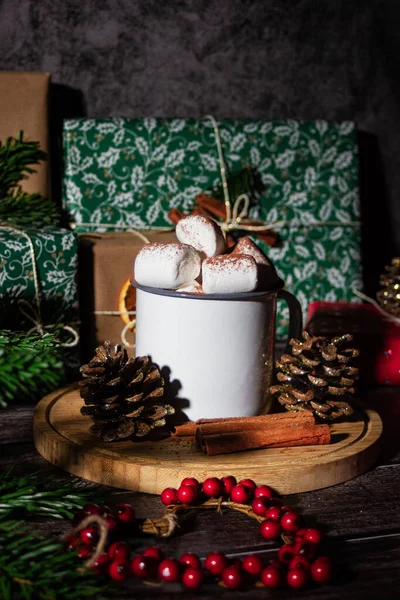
[32, 496]
[18, 208]
[30, 366]
[34, 567]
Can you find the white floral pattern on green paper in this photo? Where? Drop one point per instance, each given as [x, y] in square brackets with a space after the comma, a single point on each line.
[129, 173]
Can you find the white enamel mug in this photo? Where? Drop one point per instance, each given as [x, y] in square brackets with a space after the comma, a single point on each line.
[218, 350]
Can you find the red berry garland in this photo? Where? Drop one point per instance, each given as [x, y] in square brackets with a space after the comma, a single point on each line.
[297, 560]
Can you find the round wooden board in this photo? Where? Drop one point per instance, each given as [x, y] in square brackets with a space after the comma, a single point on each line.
[61, 436]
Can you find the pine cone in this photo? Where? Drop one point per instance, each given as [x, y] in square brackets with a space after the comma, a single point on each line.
[317, 376]
[389, 296]
[120, 394]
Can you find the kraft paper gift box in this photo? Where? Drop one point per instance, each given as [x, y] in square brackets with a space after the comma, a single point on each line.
[123, 173]
[24, 107]
[105, 264]
[56, 261]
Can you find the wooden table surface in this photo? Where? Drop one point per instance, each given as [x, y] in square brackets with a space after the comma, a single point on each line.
[361, 518]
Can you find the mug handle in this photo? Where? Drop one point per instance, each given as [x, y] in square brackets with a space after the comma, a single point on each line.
[295, 315]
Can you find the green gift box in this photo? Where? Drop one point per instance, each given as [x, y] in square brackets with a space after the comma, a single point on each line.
[128, 173]
[40, 265]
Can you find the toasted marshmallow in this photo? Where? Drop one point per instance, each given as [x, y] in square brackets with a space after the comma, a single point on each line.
[202, 233]
[267, 275]
[193, 287]
[168, 266]
[229, 274]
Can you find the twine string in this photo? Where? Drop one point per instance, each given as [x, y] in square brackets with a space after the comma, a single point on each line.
[103, 536]
[33, 313]
[377, 306]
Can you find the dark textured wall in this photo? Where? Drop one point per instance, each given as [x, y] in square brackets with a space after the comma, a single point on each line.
[333, 59]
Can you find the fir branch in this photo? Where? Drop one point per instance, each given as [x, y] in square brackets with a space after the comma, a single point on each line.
[38, 568]
[16, 157]
[31, 495]
[30, 366]
[18, 208]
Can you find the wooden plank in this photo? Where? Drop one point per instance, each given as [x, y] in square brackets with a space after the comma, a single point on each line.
[62, 436]
[16, 424]
[367, 505]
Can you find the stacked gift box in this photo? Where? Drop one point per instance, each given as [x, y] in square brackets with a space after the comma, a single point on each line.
[123, 174]
[38, 274]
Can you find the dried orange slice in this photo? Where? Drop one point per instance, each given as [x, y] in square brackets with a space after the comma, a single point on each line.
[127, 301]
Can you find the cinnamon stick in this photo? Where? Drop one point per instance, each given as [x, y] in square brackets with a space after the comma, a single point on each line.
[241, 423]
[175, 215]
[274, 437]
[213, 206]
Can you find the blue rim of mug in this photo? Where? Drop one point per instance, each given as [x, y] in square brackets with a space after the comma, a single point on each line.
[236, 296]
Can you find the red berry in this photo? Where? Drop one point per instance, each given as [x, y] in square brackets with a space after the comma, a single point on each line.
[249, 483]
[91, 509]
[306, 549]
[271, 577]
[169, 496]
[125, 513]
[252, 564]
[101, 563]
[297, 578]
[187, 494]
[275, 513]
[300, 533]
[232, 578]
[213, 487]
[263, 490]
[287, 508]
[260, 506]
[286, 553]
[290, 522]
[119, 570]
[321, 569]
[111, 522]
[275, 502]
[119, 551]
[191, 560]
[193, 578]
[73, 541]
[89, 536]
[216, 563]
[144, 566]
[84, 551]
[300, 561]
[229, 483]
[153, 552]
[270, 529]
[168, 570]
[191, 481]
[240, 494]
[310, 534]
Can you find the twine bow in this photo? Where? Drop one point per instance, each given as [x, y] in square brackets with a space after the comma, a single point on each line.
[239, 211]
[33, 312]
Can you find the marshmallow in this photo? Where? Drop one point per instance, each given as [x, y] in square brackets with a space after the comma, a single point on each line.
[167, 266]
[267, 275]
[202, 233]
[193, 287]
[228, 274]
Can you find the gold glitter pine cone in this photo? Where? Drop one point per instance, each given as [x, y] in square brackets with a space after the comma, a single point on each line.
[389, 296]
[317, 376]
[122, 396]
